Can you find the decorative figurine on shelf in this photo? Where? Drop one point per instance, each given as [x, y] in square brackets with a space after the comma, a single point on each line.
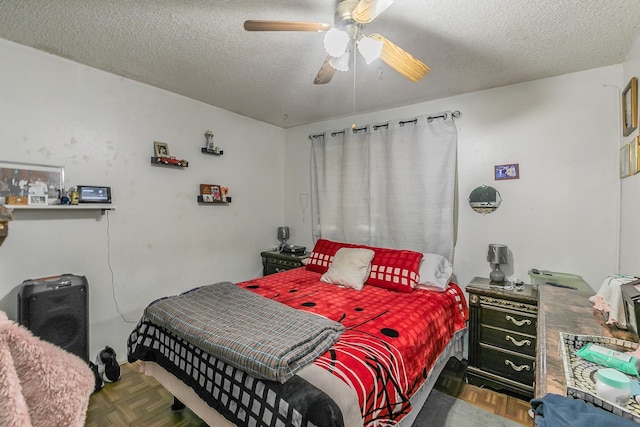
[224, 192]
[64, 197]
[210, 144]
[171, 160]
[211, 147]
[75, 197]
[161, 150]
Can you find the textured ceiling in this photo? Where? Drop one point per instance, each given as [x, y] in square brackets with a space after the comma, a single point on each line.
[198, 48]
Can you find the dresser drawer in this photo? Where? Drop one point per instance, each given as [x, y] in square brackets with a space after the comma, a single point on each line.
[522, 323]
[508, 340]
[513, 366]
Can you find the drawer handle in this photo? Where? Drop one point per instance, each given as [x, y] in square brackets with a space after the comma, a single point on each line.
[516, 342]
[519, 322]
[517, 368]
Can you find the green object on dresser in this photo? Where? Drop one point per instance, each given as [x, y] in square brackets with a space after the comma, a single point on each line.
[502, 337]
[276, 262]
[540, 277]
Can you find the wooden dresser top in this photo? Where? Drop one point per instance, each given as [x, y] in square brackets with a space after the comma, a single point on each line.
[564, 310]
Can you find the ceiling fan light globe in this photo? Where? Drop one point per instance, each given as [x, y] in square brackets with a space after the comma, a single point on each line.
[341, 63]
[370, 49]
[335, 42]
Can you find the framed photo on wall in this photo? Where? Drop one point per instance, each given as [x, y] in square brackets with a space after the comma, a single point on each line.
[24, 179]
[634, 152]
[210, 193]
[630, 107]
[161, 149]
[511, 171]
[625, 161]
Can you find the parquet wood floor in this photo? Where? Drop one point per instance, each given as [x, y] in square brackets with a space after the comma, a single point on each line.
[497, 403]
[138, 400]
[452, 382]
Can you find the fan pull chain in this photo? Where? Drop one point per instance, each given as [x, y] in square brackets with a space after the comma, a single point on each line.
[353, 113]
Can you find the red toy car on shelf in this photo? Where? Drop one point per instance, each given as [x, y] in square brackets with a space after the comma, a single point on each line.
[172, 161]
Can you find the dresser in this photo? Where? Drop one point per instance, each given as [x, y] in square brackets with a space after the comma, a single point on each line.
[275, 261]
[502, 337]
[566, 310]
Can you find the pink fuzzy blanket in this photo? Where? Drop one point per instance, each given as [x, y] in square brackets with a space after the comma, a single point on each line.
[40, 383]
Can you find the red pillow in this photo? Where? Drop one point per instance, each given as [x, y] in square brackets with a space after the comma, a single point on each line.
[322, 254]
[394, 269]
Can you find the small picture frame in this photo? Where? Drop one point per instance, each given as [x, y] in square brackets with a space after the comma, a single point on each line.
[509, 171]
[625, 161]
[630, 107]
[38, 199]
[224, 192]
[161, 149]
[210, 193]
[215, 192]
[634, 151]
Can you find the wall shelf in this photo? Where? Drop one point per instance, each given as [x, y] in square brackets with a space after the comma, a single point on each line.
[157, 161]
[217, 202]
[213, 153]
[81, 207]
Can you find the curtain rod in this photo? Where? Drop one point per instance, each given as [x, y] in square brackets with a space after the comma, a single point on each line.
[455, 114]
[444, 116]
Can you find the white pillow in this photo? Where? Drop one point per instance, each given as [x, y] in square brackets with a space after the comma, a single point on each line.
[435, 272]
[350, 267]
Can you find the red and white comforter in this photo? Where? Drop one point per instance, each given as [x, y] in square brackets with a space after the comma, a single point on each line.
[392, 339]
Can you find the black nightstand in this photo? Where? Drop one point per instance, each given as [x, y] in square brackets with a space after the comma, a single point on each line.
[502, 337]
[275, 262]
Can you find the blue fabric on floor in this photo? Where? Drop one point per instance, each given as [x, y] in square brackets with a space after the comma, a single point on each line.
[554, 410]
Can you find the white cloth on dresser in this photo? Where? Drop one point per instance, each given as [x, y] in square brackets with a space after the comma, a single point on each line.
[609, 299]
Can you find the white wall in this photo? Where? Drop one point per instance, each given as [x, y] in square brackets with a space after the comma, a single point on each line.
[561, 215]
[630, 187]
[158, 241]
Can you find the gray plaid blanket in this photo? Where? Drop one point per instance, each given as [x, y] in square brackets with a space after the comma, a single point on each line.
[264, 338]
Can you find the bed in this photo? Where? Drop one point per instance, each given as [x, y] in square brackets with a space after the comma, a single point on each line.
[391, 344]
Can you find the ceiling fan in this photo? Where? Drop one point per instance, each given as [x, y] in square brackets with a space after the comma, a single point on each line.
[351, 16]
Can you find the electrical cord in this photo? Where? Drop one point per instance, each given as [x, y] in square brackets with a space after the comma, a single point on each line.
[113, 284]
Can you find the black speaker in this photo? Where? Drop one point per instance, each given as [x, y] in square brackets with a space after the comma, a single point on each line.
[56, 310]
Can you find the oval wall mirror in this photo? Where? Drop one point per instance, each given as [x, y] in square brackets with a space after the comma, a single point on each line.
[484, 199]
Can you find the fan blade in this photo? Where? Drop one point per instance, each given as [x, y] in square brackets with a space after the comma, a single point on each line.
[285, 26]
[326, 73]
[367, 10]
[401, 60]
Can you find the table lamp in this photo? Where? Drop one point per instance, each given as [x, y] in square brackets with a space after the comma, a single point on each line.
[498, 254]
[283, 236]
